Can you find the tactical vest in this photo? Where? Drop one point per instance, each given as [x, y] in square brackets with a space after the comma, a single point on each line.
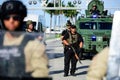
[73, 39]
[12, 59]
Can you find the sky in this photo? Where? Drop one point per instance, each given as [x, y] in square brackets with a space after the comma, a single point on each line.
[107, 4]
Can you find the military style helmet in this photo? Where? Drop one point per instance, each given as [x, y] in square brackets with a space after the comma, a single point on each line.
[28, 23]
[73, 26]
[13, 7]
[94, 5]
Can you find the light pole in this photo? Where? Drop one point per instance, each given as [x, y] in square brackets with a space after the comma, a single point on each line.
[34, 2]
[77, 2]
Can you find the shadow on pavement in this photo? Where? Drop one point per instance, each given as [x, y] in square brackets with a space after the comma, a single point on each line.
[56, 72]
[54, 55]
[61, 71]
[81, 67]
[81, 73]
[49, 49]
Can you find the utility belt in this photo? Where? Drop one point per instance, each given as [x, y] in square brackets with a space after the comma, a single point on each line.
[75, 45]
[68, 47]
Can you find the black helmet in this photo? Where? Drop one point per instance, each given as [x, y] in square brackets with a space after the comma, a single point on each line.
[68, 23]
[13, 7]
[73, 26]
[28, 23]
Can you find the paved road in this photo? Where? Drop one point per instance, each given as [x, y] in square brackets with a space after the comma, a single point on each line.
[56, 62]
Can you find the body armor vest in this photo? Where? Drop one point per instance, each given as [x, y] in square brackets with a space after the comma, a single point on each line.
[73, 39]
[12, 59]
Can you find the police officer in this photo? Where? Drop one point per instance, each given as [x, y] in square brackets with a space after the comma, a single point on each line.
[20, 55]
[68, 25]
[73, 40]
[30, 26]
[94, 10]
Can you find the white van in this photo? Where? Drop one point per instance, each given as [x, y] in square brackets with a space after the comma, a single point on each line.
[38, 21]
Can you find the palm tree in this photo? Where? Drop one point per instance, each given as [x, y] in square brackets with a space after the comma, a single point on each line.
[54, 12]
[70, 13]
[59, 12]
[51, 13]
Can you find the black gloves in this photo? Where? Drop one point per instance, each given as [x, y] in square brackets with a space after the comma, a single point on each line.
[80, 51]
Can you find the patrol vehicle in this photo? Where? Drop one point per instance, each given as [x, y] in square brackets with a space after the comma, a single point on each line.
[95, 29]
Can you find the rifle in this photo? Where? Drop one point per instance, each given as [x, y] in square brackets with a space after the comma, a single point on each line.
[76, 56]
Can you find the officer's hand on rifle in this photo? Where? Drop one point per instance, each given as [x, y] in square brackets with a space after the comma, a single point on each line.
[80, 51]
[67, 45]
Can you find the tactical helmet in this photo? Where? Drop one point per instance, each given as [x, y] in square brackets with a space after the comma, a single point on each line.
[13, 7]
[29, 22]
[73, 26]
[68, 23]
[94, 5]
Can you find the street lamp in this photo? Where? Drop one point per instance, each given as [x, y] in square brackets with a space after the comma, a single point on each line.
[77, 1]
[32, 2]
[74, 2]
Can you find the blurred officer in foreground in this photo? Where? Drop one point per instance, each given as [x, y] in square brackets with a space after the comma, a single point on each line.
[20, 55]
[66, 31]
[73, 42]
[98, 67]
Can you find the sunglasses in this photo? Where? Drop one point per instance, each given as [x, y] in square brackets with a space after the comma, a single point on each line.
[14, 17]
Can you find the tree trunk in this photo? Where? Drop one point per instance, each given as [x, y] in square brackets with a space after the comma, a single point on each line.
[75, 19]
[50, 21]
[59, 22]
[71, 19]
[55, 21]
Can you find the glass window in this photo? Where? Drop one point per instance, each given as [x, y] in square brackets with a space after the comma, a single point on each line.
[88, 25]
[105, 25]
